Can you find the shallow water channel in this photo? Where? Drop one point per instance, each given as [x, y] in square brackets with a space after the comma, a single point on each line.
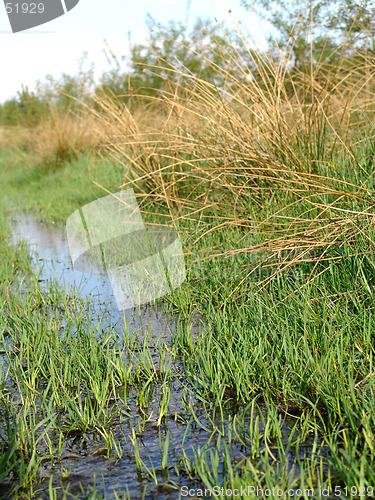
[51, 256]
[82, 455]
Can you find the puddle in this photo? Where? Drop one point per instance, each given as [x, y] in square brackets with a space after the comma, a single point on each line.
[82, 457]
[51, 256]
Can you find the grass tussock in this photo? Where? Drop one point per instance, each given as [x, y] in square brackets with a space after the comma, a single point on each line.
[65, 137]
[284, 154]
[56, 140]
[12, 138]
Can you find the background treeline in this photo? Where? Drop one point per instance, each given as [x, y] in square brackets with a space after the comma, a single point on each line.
[339, 32]
[197, 53]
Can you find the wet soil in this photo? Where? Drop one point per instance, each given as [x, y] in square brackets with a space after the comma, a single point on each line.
[84, 461]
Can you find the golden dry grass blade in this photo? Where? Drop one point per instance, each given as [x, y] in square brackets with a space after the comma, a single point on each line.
[217, 150]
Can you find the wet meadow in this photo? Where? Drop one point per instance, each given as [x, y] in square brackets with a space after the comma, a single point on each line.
[255, 377]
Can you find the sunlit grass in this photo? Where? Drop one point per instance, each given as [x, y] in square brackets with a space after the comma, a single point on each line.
[269, 181]
[284, 156]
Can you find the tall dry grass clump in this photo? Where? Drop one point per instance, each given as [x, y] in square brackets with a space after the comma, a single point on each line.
[63, 136]
[279, 152]
[15, 137]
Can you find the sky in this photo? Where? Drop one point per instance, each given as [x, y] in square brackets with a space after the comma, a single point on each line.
[57, 46]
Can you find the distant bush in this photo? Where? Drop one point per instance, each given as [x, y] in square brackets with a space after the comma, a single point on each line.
[26, 109]
[67, 93]
[169, 52]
